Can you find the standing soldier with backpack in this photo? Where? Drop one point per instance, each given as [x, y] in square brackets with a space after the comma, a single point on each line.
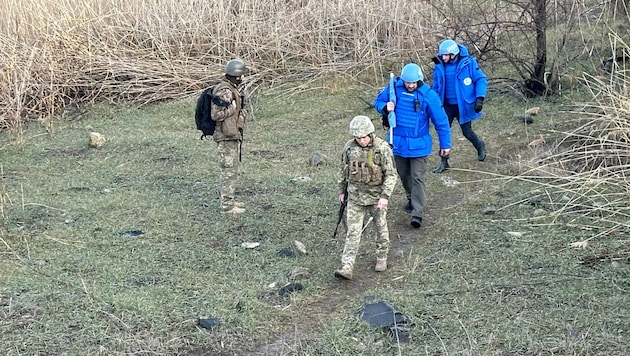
[462, 86]
[416, 105]
[227, 110]
[368, 176]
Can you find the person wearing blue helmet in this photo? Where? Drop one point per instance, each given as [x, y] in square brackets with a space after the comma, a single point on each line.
[462, 87]
[416, 105]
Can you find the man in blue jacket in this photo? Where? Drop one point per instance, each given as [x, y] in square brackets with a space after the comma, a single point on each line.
[462, 86]
[416, 105]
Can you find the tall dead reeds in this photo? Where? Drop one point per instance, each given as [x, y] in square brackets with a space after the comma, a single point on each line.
[61, 53]
[587, 175]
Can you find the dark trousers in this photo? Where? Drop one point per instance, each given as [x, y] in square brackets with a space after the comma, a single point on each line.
[412, 174]
[452, 111]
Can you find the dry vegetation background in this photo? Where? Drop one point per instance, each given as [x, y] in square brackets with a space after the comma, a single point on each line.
[64, 53]
[61, 53]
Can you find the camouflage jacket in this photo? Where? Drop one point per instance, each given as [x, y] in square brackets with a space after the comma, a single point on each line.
[376, 159]
[227, 111]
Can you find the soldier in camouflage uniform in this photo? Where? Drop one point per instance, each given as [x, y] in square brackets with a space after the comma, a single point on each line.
[227, 110]
[368, 175]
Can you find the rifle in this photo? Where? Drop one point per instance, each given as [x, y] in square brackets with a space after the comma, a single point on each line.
[240, 146]
[342, 209]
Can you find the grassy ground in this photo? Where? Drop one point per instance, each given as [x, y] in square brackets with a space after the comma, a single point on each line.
[485, 275]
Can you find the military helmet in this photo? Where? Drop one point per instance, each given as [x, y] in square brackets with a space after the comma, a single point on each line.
[448, 47]
[235, 68]
[411, 73]
[361, 126]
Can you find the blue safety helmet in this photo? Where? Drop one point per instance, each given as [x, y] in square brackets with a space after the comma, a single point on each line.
[411, 73]
[448, 47]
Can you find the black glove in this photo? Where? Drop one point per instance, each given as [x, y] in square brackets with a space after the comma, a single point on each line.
[384, 117]
[478, 104]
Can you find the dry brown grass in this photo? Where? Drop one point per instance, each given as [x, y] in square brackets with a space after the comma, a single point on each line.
[585, 174]
[62, 53]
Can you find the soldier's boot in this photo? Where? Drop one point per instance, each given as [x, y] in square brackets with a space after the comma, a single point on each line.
[344, 273]
[409, 207]
[481, 151]
[381, 265]
[233, 210]
[443, 165]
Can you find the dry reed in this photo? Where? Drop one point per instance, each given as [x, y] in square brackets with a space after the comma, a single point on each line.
[587, 175]
[70, 52]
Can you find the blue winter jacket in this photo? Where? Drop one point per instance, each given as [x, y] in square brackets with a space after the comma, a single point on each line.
[413, 110]
[471, 83]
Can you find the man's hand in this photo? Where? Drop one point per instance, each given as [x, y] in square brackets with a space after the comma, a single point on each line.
[382, 203]
[444, 152]
[479, 104]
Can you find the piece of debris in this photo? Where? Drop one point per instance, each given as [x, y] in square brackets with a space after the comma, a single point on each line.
[525, 118]
[132, 233]
[299, 247]
[540, 212]
[286, 252]
[384, 316]
[236, 301]
[250, 245]
[581, 245]
[315, 159]
[290, 288]
[96, 139]
[304, 179]
[209, 323]
[515, 233]
[300, 272]
[537, 142]
[448, 181]
[533, 111]
[489, 210]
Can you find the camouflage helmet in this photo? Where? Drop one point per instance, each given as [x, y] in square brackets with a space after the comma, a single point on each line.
[361, 126]
[235, 68]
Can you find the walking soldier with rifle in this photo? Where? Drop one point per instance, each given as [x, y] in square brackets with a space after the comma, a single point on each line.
[367, 177]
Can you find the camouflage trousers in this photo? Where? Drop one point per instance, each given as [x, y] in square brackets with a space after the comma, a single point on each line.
[356, 215]
[230, 165]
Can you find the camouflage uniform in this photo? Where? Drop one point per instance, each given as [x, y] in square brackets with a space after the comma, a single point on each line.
[227, 110]
[368, 173]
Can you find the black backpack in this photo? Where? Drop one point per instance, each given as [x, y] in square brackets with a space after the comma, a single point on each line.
[202, 113]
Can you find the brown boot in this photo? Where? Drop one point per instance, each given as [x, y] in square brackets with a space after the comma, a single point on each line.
[239, 204]
[234, 210]
[381, 265]
[344, 273]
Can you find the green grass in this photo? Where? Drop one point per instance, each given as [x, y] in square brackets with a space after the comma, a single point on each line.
[73, 282]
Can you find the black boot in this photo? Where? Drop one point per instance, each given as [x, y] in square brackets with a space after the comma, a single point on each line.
[408, 207]
[481, 151]
[443, 165]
